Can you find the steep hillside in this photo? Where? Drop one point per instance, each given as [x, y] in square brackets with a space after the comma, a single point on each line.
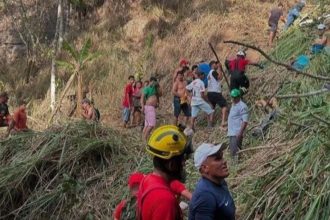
[79, 171]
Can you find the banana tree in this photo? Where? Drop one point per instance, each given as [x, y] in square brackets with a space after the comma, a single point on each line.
[79, 58]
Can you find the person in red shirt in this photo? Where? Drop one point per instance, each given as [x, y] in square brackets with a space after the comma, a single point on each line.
[134, 182]
[128, 100]
[19, 119]
[237, 67]
[156, 199]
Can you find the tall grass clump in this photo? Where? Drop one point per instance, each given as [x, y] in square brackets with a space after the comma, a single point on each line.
[65, 172]
[295, 183]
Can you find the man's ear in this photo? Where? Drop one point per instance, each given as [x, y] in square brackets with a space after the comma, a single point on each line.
[204, 168]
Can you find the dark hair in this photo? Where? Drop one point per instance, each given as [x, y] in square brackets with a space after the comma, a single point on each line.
[164, 166]
[153, 79]
[180, 72]
[211, 63]
[131, 77]
[194, 67]
[280, 4]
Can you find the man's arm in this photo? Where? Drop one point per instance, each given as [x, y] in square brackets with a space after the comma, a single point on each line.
[245, 116]
[175, 89]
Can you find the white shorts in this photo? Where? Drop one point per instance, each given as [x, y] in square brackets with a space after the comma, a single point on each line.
[205, 107]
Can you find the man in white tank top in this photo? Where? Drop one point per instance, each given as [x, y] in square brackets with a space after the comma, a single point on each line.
[214, 91]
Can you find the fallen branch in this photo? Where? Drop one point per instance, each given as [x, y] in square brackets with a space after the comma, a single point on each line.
[288, 67]
[318, 92]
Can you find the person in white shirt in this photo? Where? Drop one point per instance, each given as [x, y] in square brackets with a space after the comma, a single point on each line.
[214, 94]
[237, 123]
[199, 100]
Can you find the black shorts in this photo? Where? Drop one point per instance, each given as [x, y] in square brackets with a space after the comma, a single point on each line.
[216, 98]
[238, 80]
[178, 107]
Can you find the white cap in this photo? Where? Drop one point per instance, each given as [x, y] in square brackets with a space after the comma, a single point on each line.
[321, 26]
[241, 53]
[203, 151]
[188, 132]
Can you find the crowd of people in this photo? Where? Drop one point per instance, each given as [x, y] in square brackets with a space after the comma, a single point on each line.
[194, 90]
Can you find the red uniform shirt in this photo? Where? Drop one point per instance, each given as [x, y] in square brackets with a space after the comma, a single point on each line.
[20, 119]
[159, 202]
[241, 64]
[128, 92]
[119, 209]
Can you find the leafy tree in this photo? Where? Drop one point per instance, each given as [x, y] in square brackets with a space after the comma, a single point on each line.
[79, 58]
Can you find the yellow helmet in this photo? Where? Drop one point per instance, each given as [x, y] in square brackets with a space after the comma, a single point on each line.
[166, 142]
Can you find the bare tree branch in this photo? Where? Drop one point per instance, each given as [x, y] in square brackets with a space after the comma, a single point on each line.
[318, 92]
[288, 67]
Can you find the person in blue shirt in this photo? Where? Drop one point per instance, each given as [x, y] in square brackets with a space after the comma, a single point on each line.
[211, 199]
[293, 14]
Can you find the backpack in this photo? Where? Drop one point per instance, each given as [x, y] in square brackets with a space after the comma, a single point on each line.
[130, 209]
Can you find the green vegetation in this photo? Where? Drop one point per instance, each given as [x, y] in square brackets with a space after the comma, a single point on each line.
[61, 171]
[295, 184]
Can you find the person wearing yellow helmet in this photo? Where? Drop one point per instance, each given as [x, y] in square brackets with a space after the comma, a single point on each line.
[168, 146]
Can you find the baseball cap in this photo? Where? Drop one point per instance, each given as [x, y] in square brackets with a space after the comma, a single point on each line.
[241, 53]
[184, 62]
[204, 151]
[321, 26]
[235, 93]
[135, 178]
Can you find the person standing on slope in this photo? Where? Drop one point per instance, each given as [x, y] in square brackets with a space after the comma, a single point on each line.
[180, 100]
[211, 199]
[156, 201]
[128, 100]
[149, 102]
[214, 94]
[237, 123]
[199, 99]
[275, 15]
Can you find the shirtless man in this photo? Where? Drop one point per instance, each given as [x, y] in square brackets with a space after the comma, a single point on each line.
[180, 100]
[89, 111]
[149, 102]
[184, 64]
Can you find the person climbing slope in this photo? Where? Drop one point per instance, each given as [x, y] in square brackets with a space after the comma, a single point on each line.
[237, 69]
[294, 13]
[275, 15]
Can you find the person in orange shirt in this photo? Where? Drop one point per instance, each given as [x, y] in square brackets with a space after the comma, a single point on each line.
[19, 120]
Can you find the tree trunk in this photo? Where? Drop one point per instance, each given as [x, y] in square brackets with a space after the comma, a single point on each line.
[79, 93]
[57, 44]
[66, 89]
